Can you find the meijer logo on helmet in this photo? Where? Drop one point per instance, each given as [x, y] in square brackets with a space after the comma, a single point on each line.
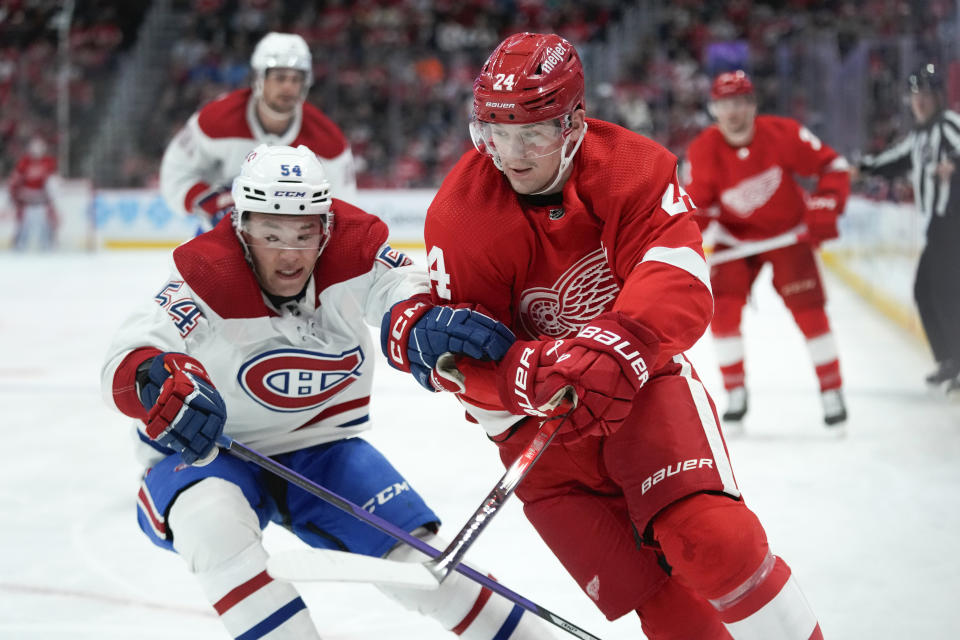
[554, 57]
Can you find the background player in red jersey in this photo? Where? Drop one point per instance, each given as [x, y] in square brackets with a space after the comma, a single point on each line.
[29, 187]
[577, 235]
[201, 161]
[742, 178]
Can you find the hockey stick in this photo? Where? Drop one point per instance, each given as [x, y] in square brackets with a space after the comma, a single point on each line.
[244, 452]
[753, 248]
[516, 472]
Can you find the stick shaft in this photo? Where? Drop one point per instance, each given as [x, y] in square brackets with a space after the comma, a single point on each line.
[453, 554]
[753, 248]
[250, 455]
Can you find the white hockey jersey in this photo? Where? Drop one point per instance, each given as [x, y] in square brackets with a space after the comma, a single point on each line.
[208, 151]
[290, 377]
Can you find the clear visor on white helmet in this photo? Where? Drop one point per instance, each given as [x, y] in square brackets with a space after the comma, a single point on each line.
[521, 141]
[266, 231]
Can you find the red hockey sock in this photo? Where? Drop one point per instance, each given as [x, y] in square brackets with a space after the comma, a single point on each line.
[821, 344]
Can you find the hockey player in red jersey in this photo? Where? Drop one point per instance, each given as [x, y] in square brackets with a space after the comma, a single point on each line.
[261, 333]
[577, 235]
[742, 178]
[29, 187]
[201, 161]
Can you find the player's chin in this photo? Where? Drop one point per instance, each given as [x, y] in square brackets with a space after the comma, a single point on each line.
[284, 284]
[284, 106]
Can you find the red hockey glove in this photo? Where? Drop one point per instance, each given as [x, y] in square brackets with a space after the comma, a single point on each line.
[606, 364]
[185, 411]
[821, 220]
[212, 205]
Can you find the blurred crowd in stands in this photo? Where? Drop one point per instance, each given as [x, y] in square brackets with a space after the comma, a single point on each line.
[396, 75]
[30, 66]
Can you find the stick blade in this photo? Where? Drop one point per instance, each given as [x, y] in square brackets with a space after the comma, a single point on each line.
[326, 565]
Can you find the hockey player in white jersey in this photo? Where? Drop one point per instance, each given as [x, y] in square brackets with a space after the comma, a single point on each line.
[202, 159]
[260, 333]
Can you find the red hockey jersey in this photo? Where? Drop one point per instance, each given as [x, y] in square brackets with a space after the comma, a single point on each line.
[621, 239]
[32, 173]
[751, 190]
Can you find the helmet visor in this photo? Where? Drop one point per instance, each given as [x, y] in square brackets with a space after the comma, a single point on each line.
[528, 141]
[268, 231]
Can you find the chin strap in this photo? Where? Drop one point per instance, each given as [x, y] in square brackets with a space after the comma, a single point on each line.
[565, 161]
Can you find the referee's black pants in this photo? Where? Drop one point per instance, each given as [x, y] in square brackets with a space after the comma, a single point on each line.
[937, 287]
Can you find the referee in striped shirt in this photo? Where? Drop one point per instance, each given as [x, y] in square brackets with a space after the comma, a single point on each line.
[930, 153]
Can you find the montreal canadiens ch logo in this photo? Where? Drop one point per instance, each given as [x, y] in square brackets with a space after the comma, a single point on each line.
[297, 380]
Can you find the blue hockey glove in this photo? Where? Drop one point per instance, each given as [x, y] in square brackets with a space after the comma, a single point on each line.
[415, 333]
[185, 411]
[212, 205]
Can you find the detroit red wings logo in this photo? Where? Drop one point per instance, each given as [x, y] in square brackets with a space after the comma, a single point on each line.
[297, 380]
[583, 292]
[752, 193]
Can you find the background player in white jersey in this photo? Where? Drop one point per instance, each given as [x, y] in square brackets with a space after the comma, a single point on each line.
[202, 159]
[260, 333]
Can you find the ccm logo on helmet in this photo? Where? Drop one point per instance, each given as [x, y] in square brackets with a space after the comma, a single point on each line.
[291, 380]
[289, 194]
[554, 57]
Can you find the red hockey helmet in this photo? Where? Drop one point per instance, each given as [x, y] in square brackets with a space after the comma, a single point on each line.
[529, 77]
[731, 83]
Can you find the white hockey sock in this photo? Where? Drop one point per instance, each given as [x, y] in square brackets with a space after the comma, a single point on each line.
[218, 535]
[464, 607]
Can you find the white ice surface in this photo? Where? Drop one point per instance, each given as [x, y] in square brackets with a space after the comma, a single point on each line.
[869, 523]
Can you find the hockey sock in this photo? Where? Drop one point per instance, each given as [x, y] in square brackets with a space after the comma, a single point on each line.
[462, 606]
[821, 345]
[218, 536]
[730, 358]
[719, 547]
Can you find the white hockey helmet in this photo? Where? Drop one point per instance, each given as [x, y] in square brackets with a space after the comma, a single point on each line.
[281, 51]
[282, 180]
